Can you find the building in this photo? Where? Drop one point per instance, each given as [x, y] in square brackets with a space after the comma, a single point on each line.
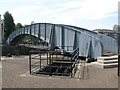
[116, 27]
[112, 33]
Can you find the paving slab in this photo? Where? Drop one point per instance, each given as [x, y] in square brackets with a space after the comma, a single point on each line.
[15, 74]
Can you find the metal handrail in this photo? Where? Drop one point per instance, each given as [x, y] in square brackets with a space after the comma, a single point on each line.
[74, 57]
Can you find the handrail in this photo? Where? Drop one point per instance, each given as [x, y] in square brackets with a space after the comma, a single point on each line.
[69, 68]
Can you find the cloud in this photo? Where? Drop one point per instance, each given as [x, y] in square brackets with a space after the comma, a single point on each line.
[89, 10]
[63, 11]
[26, 9]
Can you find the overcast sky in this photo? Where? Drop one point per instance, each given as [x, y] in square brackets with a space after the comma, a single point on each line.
[89, 14]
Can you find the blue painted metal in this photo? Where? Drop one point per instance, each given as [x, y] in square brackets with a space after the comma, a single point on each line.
[90, 43]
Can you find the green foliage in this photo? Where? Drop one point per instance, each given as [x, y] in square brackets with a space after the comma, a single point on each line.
[18, 26]
[25, 25]
[29, 37]
[9, 24]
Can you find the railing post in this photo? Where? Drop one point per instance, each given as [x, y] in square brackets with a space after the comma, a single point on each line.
[40, 59]
[30, 62]
[50, 64]
[47, 58]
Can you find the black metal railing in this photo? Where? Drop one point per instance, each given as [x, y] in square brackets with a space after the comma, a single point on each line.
[52, 63]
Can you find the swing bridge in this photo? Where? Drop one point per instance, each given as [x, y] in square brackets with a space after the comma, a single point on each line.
[66, 44]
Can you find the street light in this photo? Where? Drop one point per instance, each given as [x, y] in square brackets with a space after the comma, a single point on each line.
[0, 30]
[118, 29]
[118, 52]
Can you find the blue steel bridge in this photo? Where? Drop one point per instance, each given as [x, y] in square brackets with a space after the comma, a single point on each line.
[90, 43]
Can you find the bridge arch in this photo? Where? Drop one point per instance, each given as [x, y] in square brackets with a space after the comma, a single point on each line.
[62, 35]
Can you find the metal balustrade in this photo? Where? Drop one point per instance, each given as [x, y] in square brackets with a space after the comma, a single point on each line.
[52, 63]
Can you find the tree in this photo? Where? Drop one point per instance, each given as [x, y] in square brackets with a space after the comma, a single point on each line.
[25, 25]
[18, 26]
[9, 24]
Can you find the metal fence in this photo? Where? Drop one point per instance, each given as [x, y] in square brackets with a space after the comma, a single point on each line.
[53, 62]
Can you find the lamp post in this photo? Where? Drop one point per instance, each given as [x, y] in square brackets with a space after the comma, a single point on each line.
[118, 36]
[0, 38]
[0, 30]
[118, 52]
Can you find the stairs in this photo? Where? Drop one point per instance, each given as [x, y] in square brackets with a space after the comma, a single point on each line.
[106, 62]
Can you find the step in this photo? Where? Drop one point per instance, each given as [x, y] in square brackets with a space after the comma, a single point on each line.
[108, 57]
[100, 65]
[107, 61]
[109, 54]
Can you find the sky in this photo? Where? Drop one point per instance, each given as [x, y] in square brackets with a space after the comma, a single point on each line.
[89, 14]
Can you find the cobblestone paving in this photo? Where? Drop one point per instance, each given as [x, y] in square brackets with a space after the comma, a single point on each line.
[15, 75]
